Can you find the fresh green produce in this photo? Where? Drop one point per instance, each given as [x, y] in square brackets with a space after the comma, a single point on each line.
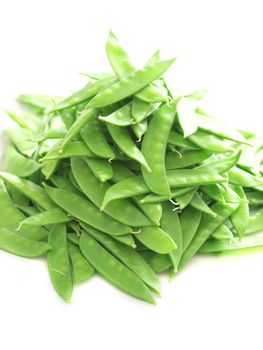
[124, 179]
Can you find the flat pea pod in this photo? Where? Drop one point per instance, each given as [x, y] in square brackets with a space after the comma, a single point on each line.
[112, 269]
[73, 238]
[85, 211]
[141, 110]
[26, 121]
[29, 211]
[49, 167]
[186, 159]
[186, 116]
[198, 203]
[255, 221]
[190, 220]
[16, 244]
[223, 233]
[72, 149]
[160, 263]
[101, 168]
[213, 192]
[156, 239]
[126, 239]
[84, 94]
[170, 224]
[255, 198]
[50, 134]
[20, 138]
[93, 131]
[206, 228]
[121, 210]
[210, 142]
[98, 75]
[15, 163]
[221, 165]
[49, 217]
[120, 117]
[140, 129]
[242, 178]
[129, 257]
[31, 190]
[68, 117]
[85, 116]
[36, 102]
[82, 270]
[185, 199]
[18, 198]
[126, 87]
[59, 263]
[240, 218]
[63, 183]
[155, 92]
[153, 148]
[177, 140]
[157, 198]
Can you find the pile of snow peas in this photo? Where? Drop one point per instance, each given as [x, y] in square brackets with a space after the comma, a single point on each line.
[127, 180]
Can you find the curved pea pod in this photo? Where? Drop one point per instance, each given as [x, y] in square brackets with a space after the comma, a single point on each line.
[156, 198]
[63, 183]
[221, 165]
[49, 167]
[197, 95]
[85, 211]
[190, 220]
[240, 218]
[213, 192]
[26, 121]
[82, 270]
[242, 178]
[73, 238]
[59, 263]
[255, 198]
[72, 149]
[155, 92]
[160, 263]
[124, 141]
[20, 138]
[210, 142]
[177, 140]
[121, 210]
[156, 239]
[36, 102]
[198, 203]
[15, 163]
[141, 110]
[50, 134]
[255, 221]
[174, 160]
[126, 239]
[19, 245]
[140, 129]
[92, 131]
[29, 211]
[208, 225]
[101, 168]
[120, 117]
[98, 75]
[154, 147]
[170, 224]
[84, 94]
[29, 189]
[126, 87]
[68, 116]
[113, 270]
[223, 233]
[215, 246]
[152, 210]
[129, 257]
[218, 128]
[49, 217]
[185, 199]
[186, 116]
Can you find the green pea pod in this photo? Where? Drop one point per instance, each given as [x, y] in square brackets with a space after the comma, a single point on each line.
[154, 147]
[221, 165]
[190, 220]
[98, 75]
[170, 224]
[49, 217]
[213, 192]
[197, 95]
[126, 239]
[156, 198]
[198, 203]
[129, 257]
[68, 116]
[177, 140]
[16, 244]
[63, 183]
[121, 210]
[120, 117]
[59, 263]
[185, 199]
[255, 221]
[186, 159]
[210, 142]
[242, 178]
[156, 239]
[155, 92]
[93, 131]
[206, 228]
[18, 198]
[29, 211]
[255, 198]
[26, 121]
[186, 116]
[84, 94]
[37, 103]
[82, 270]
[130, 85]
[141, 110]
[223, 233]
[160, 263]
[85, 211]
[20, 138]
[112, 269]
[73, 238]
[31, 190]
[101, 168]
[49, 167]
[50, 134]
[140, 129]
[72, 149]
[240, 218]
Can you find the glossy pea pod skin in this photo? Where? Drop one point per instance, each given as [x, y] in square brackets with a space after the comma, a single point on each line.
[59, 263]
[113, 270]
[154, 147]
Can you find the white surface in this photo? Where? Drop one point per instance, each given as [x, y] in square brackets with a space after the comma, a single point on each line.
[216, 303]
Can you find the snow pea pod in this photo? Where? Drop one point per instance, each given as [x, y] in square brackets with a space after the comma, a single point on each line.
[190, 220]
[82, 270]
[156, 239]
[72, 149]
[120, 117]
[63, 183]
[210, 142]
[36, 102]
[240, 218]
[26, 121]
[49, 217]
[255, 198]
[49, 167]
[85, 211]
[16, 244]
[242, 178]
[175, 160]
[186, 116]
[140, 129]
[156, 198]
[177, 140]
[124, 141]
[59, 263]
[101, 168]
[20, 138]
[153, 148]
[112, 269]
[198, 203]
[129, 257]
[121, 210]
[141, 110]
[255, 221]
[207, 227]
[160, 263]
[223, 233]
[126, 87]
[213, 192]
[221, 165]
[185, 199]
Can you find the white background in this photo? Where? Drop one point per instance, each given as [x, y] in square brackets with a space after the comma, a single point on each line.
[216, 303]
